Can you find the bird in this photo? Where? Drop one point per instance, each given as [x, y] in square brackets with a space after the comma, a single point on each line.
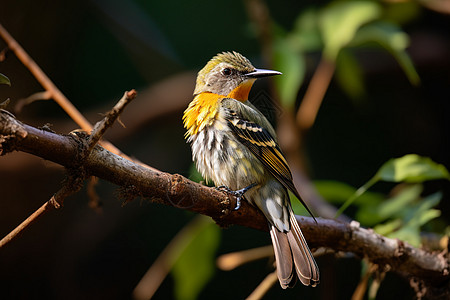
[235, 146]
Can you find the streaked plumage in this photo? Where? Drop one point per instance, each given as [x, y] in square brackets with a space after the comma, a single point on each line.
[234, 145]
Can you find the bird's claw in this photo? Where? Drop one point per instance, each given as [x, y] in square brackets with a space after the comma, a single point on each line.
[239, 194]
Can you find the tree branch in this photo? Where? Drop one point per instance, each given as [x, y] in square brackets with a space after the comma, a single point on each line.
[135, 180]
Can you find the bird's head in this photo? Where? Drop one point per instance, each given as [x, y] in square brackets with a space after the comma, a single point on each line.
[229, 74]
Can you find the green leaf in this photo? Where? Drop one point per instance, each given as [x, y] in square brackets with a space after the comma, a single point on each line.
[306, 32]
[289, 61]
[395, 205]
[420, 214]
[297, 206]
[340, 21]
[349, 75]
[388, 227]
[412, 168]
[393, 39]
[196, 264]
[356, 195]
[194, 174]
[414, 215]
[427, 216]
[338, 192]
[4, 80]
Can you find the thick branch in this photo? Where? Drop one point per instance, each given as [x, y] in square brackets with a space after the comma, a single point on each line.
[175, 190]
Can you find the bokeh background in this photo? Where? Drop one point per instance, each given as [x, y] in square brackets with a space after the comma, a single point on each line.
[95, 50]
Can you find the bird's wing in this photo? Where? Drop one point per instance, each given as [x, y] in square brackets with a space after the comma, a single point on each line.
[261, 143]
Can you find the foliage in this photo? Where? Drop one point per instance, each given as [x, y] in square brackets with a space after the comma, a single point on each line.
[334, 30]
[4, 80]
[196, 264]
[410, 168]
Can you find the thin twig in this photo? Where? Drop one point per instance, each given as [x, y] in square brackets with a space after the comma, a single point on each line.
[309, 108]
[45, 95]
[233, 260]
[94, 200]
[72, 186]
[43, 79]
[430, 268]
[263, 287]
[75, 181]
[48, 85]
[109, 119]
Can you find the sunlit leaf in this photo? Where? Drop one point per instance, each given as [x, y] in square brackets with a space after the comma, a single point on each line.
[397, 204]
[393, 39]
[349, 75]
[4, 80]
[196, 265]
[412, 168]
[291, 63]
[388, 227]
[408, 221]
[419, 214]
[340, 21]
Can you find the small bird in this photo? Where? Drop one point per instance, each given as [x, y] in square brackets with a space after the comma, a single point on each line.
[235, 146]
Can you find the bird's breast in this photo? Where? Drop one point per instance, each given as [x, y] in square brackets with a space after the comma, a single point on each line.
[220, 157]
[201, 112]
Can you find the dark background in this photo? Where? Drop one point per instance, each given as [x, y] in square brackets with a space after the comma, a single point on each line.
[95, 50]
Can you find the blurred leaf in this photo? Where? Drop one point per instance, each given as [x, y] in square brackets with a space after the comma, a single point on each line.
[427, 216]
[306, 32]
[367, 216]
[338, 192]
[356, 195]
[394, 40]
[340, 21]
[412, 217]
[194, 174]
[397, 204]
[196, 264]
[401, 12]
[290, 62]
[412, 168]
[372, 214]
[349, 74]
[297, 206]
[388, 227]
[4, 80]
[419, 214]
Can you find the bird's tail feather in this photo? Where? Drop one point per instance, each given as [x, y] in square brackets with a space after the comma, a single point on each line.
[283, 258]
[292, 253]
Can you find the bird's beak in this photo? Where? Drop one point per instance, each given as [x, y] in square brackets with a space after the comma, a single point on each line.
[258, 73]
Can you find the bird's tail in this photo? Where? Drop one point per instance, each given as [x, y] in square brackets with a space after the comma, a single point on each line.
[292, 256]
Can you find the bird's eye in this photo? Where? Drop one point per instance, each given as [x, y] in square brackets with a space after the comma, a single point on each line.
[226, 71]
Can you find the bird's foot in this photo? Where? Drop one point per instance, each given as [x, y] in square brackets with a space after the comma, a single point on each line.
[239, 194]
